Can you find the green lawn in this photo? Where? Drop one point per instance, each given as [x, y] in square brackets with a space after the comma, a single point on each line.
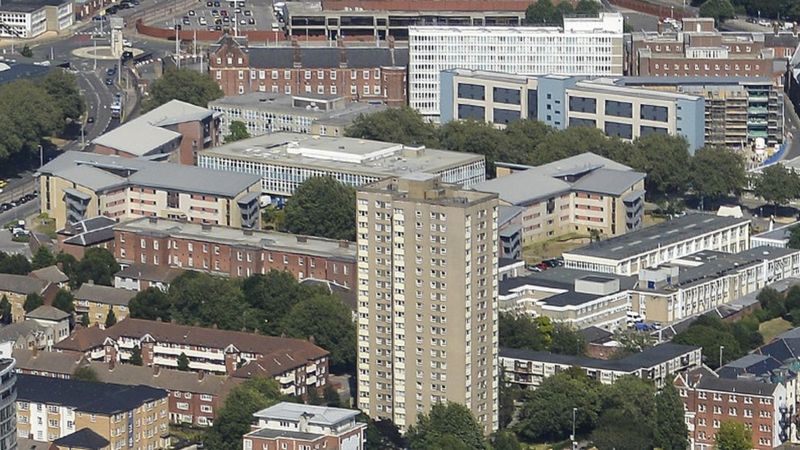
[538, 251]
[45, 225]
[772, 328]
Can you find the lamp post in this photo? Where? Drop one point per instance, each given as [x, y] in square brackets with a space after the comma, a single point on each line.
[41, 157]
[574, 443]
[721, 347]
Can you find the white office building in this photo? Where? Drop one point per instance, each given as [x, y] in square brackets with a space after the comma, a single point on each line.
[25, 20]
[584, 46]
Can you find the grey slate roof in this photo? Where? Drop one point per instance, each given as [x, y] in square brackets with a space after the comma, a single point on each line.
[326, 57]
[50, 273]
[52, 362]
[13, 332]
[89, 231]
[149, 272]
[737, 386]
[104, 294]
[83, 439]
[169, 379]
[47, 312]
[593, 173]
[21, 284]
[96, 172]
[560, 278]
[596, 335]
[650, 238]
[645, 359]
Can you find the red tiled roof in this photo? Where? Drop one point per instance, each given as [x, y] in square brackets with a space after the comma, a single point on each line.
[82, 340]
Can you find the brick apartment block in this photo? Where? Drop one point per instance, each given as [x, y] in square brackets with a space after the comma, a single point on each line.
[233, 252]
[296, 364]
[365, 73]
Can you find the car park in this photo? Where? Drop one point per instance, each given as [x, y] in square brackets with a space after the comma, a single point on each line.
[214, 13]
[126, 43]
[217, 27]
[240, 4]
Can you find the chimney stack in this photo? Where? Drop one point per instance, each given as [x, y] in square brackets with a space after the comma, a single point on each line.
[390, 41]
[112, 362]
[296, 54]
[156, 370]
[35, 351]
[201, 375]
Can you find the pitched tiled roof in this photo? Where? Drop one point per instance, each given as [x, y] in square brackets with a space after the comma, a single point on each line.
[82, 340]
[171, 380]
[47, 312]
[50, 273]
[104, 294]
[53, 362]
[84, 439]
[21, 284]
[149, 272]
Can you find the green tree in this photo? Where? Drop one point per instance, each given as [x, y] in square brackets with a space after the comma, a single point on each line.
[670, 425]
[331, 396]
[85, 373]
[64, 301]
[451, 419]
[382, 434]
[716, 172]
[476, 137]
[237, 131]
[519, 331]
[546, 415]
[542, 12]
[733, 436]
[508, 394]
[777, 184]
[97, 265]
[26, 51]
[43, 258]
[403, 125]
[587, 7]
[136, 356]
[616, 430]
[85, 319]
[720, 10]
[792, 297]
[68, 263]
[324, 207]
[665, 160]
[206, 300]
[185, 85]
[15, 264]
[29, 115]
[794, 237]
[183, 362]
[32, 301]
[330, 323]
[574, 141]
[111, 318]
[234, 418]
[711, 334]
[5, 310]
[505, 440]
[274, 294]
[567, 341]
[151, 304]
[62, 87]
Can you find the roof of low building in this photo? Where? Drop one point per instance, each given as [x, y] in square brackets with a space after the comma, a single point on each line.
[596, 335]
[24, 443]
[104, 294]
[652, 237]
[47, 312]
[642, 360]
[738, 386]
[50, 274]
[320, 415]
[83, 439]
[586, 172]
[89, 231]
[21, 284]
[146, 133]
[149, 272]
[85, 396]
[52, 362]
[326, 57]
[14, 331]
[81, 340]
[102, 172]
[163, 378]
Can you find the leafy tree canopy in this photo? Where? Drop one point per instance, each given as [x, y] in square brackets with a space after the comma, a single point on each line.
[235, 416]
[85, 373]
[324, 207]
[185, 85]
[777, 184]
[449, 425]
[15, 264]
[402, 125]
[717, 172]
[32, 301]
[97, 265]
[237, 131]
[64, 301]
[720, 10]
[43, 258]
[733, 436]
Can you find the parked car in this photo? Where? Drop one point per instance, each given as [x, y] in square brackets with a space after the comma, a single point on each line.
[247, 12]
[90, 119]
[191, 12]
[533, 268]
[109, 82]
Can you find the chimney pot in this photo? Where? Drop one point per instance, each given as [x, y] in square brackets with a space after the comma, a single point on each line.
[156, 370]
[201, 375]
[112, 362]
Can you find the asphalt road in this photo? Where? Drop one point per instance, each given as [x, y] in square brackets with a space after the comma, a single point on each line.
[20, 212]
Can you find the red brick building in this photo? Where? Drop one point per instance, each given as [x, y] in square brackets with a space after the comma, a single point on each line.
[233, 252]
[702, 51]
[357, 73]
[710, 400]
[296, 364]
[295, 426]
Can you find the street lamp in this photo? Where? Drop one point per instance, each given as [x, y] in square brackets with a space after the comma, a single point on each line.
[721, 347]
[41, 157]
[574, 443]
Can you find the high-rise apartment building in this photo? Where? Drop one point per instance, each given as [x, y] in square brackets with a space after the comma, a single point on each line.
[587, 46]
[427, 296]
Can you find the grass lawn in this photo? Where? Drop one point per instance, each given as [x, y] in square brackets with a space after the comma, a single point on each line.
[538, 251]
[45, 225]
[772, 328]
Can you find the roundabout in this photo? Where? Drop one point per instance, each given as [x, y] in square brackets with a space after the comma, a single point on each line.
[102, 53]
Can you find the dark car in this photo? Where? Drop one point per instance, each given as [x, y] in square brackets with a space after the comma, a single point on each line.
[112, 10]
[111, 71]
[216, 4]
[5, 206]
[251, 21]
[126, 55]
[90, 119]
[109, 82]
